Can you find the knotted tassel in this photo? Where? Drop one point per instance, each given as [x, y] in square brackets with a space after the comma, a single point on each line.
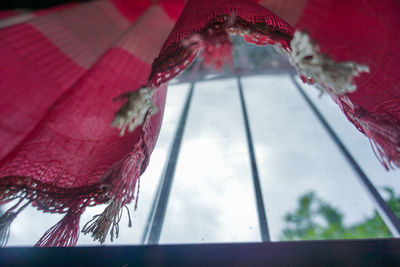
[136, 111]
[6, 219]
[333, 77]
[128, 173]
[65, 233]
[108, 221]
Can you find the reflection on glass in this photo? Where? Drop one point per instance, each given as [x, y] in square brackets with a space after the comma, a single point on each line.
[295, 155]
[212, 198]
[357, 144]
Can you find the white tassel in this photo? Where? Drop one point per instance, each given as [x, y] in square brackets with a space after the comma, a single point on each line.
[108, 221]
[136, 111]
[330, 76]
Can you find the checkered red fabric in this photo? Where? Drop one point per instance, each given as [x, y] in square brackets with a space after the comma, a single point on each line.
[61, 68]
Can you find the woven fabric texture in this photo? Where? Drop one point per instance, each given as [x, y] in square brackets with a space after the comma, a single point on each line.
[61, 68]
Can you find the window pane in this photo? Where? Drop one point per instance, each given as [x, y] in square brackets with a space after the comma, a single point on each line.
[296, 157]
[359, 146]
[212, 198]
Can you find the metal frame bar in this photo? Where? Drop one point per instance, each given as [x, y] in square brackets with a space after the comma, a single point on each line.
[388, 216]
[262, 217]
[157, 215]
[156, 218]
[192, 78]
[369, 252]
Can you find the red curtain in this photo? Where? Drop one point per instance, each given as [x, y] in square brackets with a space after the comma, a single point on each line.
[61, 68]
[363, 32]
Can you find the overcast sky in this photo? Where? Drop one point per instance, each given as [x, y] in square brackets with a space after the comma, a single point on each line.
[212, 198]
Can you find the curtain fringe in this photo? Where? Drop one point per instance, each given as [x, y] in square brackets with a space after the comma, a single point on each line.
[384, 137]
[214, 42]
[119, 184]
[128, 174]
[108, 221]
[66, 232]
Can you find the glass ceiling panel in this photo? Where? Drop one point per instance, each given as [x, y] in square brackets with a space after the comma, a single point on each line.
[212, 198]
[295, 156]
[355, 141]
[359, 146]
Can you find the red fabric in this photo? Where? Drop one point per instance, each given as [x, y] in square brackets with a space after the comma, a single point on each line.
[364, 32]
[7, 13]
[201, 17]
[43, 83]
[62, 69]
[58, 149]
[132, 9]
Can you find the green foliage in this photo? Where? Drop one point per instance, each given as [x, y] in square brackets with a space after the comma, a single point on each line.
[315, 219]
